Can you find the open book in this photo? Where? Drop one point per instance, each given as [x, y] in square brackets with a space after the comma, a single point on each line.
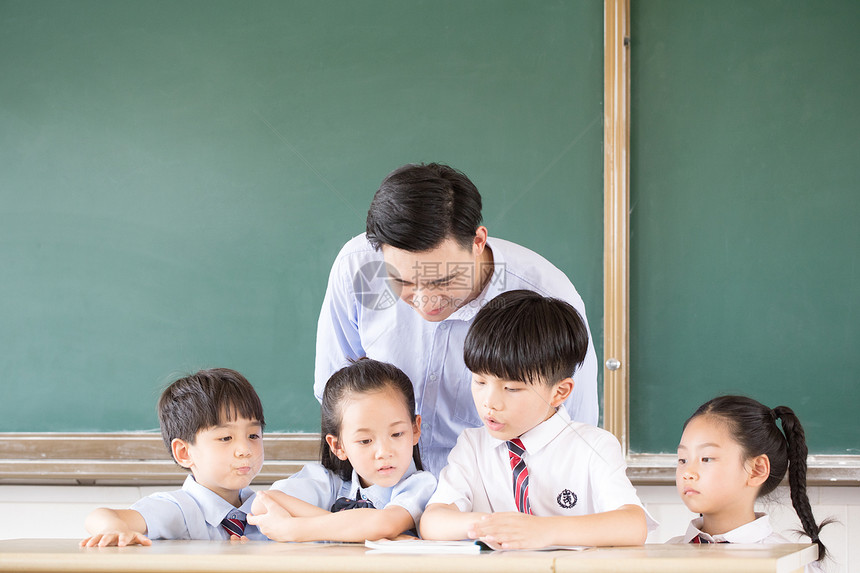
[417, 546]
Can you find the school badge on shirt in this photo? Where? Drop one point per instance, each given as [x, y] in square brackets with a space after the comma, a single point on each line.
[566, 499]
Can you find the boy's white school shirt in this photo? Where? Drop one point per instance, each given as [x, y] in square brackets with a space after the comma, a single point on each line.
[318, 486]
[194, 512]
[757, 531]
[574, 469]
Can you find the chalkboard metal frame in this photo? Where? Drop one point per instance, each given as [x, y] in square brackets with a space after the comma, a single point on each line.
[646, 469]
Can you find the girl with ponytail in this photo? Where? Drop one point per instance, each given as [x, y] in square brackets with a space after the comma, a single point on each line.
[732, 452]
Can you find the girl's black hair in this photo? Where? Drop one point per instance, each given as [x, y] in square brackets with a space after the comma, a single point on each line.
[753, 426]
[362, 376]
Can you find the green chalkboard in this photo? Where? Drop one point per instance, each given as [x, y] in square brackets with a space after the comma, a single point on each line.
[176, 177]
[745, 245]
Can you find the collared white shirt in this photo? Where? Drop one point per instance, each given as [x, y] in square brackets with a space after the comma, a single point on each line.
[361, 316]
[574, 469]
[318, 486]
[193, 512]
[758, 531]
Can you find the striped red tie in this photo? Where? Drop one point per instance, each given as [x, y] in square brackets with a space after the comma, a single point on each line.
[235, 527]
[521, 475]
[700, 538]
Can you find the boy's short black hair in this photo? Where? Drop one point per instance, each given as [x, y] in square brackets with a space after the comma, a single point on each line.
[523, 336]
[204, 400]
[418, 206]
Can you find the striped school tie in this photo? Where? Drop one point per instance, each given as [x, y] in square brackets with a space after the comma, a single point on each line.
[703, 540]
[234, 527]
[521, 475]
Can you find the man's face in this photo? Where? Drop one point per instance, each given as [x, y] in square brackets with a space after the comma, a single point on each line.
[436, 282]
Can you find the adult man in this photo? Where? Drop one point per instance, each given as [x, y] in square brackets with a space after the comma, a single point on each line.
[406, 292]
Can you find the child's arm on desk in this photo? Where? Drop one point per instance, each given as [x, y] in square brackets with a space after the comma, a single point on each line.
[115, 527]
[623, 526]
[445, 521]
[282, 517]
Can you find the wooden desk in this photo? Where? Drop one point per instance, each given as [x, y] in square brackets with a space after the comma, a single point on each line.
[64, 555]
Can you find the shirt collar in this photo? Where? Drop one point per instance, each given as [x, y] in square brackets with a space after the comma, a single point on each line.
[214, 507]
[495, 286]
[752, 532]
[378, 495]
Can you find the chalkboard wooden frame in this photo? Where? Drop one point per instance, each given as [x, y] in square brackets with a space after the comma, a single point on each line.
[127, 458]
[643, 468]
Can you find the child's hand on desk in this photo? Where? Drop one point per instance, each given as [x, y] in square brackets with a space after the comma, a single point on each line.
[118, 538]
[274, 521]
[509, 530]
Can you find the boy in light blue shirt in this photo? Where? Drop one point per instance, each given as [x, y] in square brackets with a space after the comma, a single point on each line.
[212, 423]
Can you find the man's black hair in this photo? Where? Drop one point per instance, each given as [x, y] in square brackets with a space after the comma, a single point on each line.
[419, 206]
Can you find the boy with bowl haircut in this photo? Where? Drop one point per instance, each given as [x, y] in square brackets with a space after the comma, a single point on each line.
[531, 477]
[212, 423]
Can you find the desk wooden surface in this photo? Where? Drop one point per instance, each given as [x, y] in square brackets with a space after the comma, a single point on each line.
[64, 555]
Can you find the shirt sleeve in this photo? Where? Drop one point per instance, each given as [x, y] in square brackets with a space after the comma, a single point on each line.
[338, 337]
[413, 493]
[608, 476]
[456, 480]
[312, 484]
[163, 516]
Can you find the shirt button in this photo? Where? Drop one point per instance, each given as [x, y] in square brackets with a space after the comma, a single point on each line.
[433, 376]
[443, 326]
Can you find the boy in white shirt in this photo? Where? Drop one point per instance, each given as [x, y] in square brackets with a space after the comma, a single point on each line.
[530, 477]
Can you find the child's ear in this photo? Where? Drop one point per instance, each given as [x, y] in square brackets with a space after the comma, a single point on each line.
[334, 446]
[759, 468]
[561, 391]
[416, 429]
[181, 453]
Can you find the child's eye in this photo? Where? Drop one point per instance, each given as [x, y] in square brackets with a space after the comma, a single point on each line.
[397, 434]
[706, 459]
[364, 442]
[478, 382]
[681, 461]
[255, 436]
[225, 438]
[513, 389]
